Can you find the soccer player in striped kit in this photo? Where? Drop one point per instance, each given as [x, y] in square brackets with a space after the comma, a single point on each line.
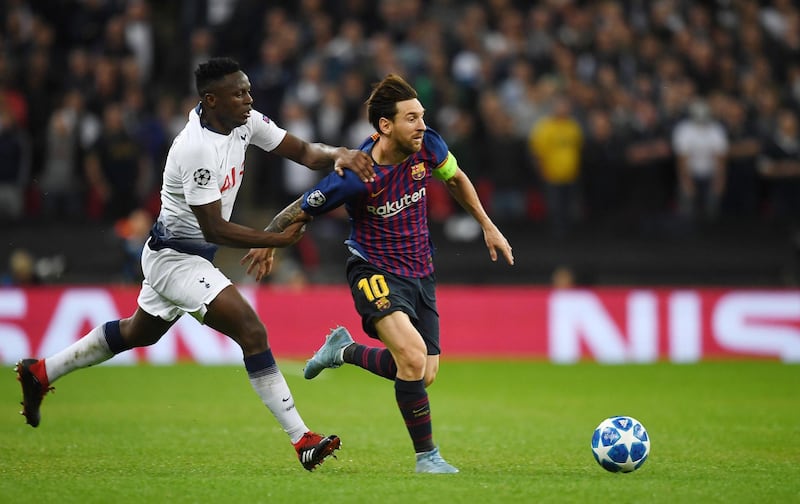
[390, 268]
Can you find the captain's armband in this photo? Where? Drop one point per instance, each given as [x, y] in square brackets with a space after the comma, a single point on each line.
[446, 170]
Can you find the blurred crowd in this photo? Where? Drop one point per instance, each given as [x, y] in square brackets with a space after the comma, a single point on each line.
[628, 115]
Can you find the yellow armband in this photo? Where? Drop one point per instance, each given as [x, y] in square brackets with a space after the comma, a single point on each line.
[446, 170]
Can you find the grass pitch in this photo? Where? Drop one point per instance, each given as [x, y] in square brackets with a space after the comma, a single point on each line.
[519, 432]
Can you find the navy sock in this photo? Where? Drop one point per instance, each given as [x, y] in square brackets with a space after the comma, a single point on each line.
[114, 337]
[259, 362]
[412, 399]
[375, 360]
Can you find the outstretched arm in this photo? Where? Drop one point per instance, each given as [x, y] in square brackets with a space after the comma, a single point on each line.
[462, 189]
[221, 232]
[288, 216]
[261, 259]
[319, 156]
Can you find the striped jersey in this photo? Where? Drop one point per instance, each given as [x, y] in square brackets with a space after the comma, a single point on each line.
[388, 217]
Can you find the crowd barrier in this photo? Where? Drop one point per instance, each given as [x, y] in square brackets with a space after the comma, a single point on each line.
[607, 325]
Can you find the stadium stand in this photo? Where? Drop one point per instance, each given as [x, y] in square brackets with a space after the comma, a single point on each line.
[629, 69]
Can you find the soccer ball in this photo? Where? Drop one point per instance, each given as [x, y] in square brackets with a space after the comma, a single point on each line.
[620, 444]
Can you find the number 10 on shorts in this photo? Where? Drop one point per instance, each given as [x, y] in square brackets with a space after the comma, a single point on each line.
[373, 287]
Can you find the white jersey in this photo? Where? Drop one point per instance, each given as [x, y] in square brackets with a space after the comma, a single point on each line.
[702, 144]
[204, 166]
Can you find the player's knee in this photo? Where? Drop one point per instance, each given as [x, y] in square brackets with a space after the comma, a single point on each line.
[253, 338]
[431, 369]
[411, 362]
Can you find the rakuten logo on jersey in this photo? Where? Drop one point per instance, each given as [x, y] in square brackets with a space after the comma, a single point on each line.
[391, 208]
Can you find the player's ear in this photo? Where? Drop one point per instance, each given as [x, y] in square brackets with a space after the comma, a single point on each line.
[210, 99]
[385, 125]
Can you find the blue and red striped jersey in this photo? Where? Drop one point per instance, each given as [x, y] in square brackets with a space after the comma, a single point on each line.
[388, 217]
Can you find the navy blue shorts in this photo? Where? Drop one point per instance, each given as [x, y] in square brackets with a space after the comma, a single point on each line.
[377, 293]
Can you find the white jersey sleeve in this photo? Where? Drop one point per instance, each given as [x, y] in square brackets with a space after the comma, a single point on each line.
[198, 177]
[204, 166]
[265, 133]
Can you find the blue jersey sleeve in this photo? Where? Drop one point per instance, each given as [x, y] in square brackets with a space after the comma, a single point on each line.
[436, 145]
[332, 192]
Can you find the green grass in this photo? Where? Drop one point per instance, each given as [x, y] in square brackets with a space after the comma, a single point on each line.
[519, 431]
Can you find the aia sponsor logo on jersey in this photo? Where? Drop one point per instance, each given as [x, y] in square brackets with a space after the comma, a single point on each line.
[230, 179]
[418, 171]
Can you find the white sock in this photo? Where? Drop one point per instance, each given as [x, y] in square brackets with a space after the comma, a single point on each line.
[271, 387]
[89, 350]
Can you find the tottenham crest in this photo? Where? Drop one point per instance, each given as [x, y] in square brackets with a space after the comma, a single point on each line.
[315, 199]
[202, 176]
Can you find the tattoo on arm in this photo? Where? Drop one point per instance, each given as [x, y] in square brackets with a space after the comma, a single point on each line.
[286, 217]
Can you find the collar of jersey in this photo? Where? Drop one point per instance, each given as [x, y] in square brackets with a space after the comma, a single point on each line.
[204, 124]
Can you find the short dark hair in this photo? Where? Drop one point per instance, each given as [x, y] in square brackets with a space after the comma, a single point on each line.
[382, 102]
[212, 71]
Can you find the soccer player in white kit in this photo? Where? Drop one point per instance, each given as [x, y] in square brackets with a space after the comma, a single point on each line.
[203, 174]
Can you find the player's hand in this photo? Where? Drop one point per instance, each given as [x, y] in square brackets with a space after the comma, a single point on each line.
[496, 242]
[287, 237]
[261, 261]
[293, 232]
[359, 162]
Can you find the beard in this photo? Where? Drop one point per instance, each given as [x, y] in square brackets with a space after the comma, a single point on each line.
[409, 146]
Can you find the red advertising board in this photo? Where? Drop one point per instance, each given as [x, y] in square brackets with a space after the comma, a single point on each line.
[564, 326]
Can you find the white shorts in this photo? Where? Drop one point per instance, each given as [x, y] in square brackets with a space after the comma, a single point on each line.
[176, 283]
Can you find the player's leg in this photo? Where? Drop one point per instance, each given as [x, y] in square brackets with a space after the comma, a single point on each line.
[98, 345]
[377, 293]
[408, 349]
[431, 370]
[411, 355]
[105, 341]
[405, 343]
[340, 348]
[427, 323]
[376, 360]
[230, 314]
[373, 293]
